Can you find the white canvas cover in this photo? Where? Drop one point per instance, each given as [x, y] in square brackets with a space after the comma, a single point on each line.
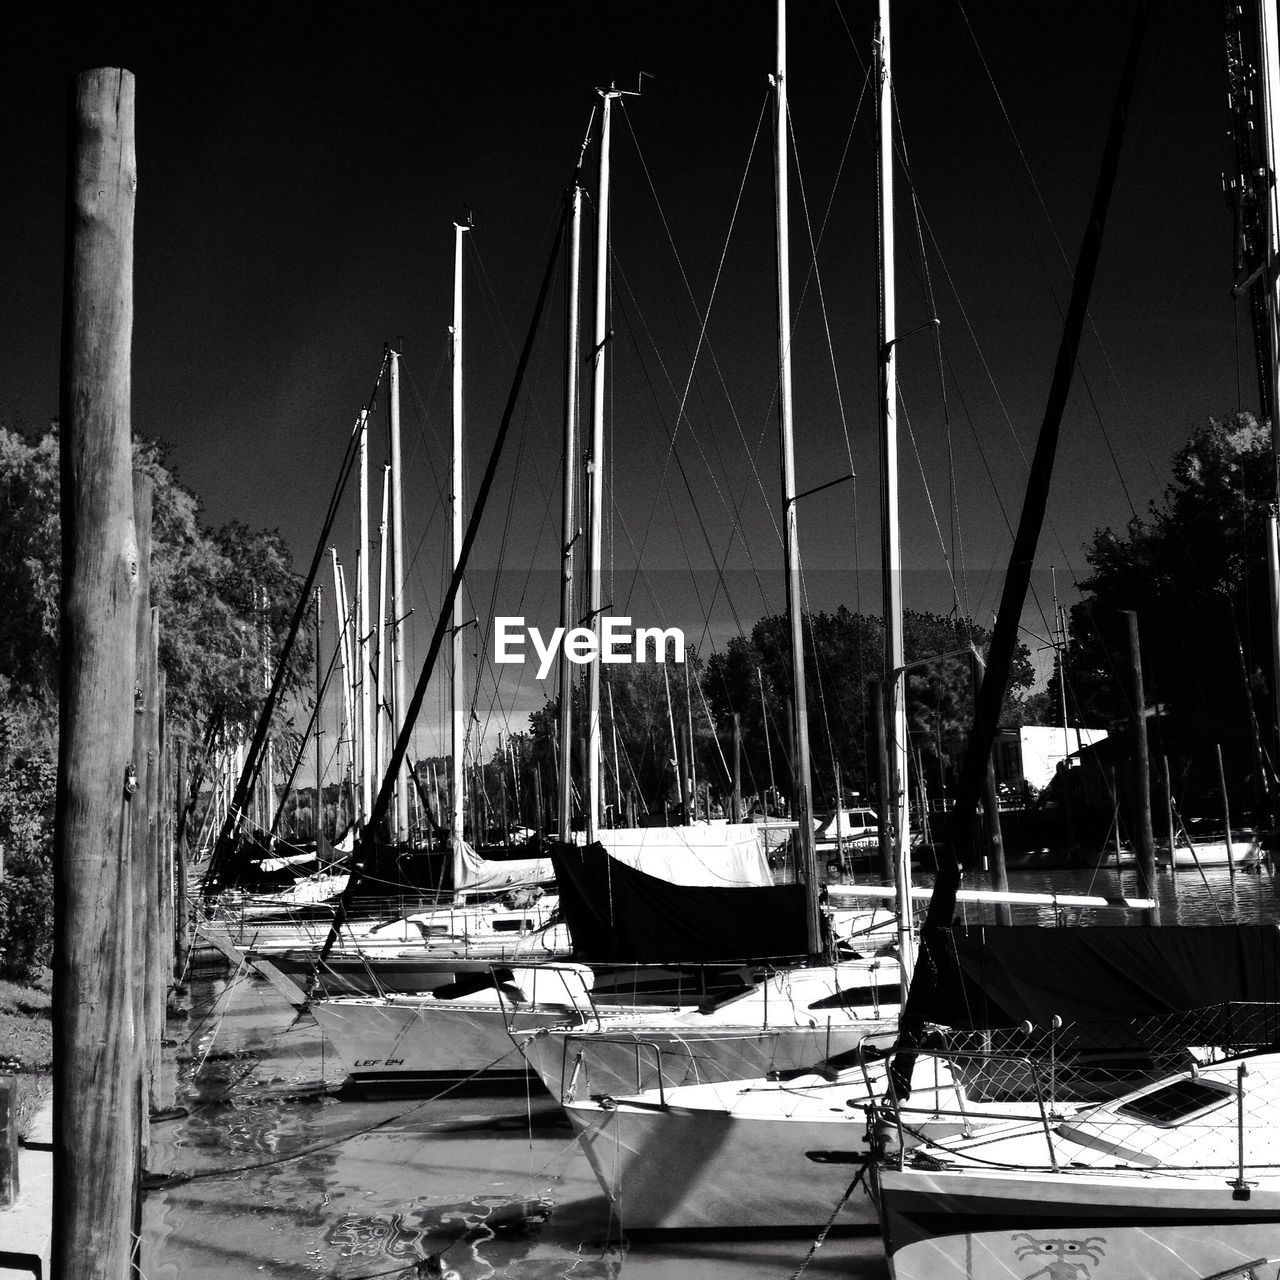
[721, 854]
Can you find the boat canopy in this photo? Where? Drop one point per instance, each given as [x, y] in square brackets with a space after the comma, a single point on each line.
[985, 977]
[619, 914]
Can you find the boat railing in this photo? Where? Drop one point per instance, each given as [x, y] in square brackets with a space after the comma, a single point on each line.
[641, 1049]
[904, 1113]
[1213, 1112]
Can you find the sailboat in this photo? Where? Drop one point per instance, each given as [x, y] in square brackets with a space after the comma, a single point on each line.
[833, 1007]
[1176, 1179]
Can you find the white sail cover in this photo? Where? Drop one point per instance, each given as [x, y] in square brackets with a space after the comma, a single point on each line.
[721, 854]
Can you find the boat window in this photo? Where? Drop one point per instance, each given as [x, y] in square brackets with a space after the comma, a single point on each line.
[1177, 1102]
[511, 926]
[856, 997]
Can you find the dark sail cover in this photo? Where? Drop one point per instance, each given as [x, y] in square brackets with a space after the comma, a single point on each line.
[619, 915]
[1000, 976]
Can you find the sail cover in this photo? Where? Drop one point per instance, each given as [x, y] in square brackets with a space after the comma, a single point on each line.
[998, 977]
[726, 854]
[621, 915]
[476, 874]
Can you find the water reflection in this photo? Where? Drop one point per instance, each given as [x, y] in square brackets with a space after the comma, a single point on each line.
[311, 1184]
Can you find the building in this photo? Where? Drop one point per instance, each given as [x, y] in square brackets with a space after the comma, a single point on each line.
[1029, 756]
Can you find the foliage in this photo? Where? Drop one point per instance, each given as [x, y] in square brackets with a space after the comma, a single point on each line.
[212, 628]
[27, 785]
[640, 702]
[751, 677]
[1194, 572]
[844, 655]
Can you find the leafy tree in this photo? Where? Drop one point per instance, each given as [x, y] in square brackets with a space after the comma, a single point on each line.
[224, 597]
[844, 654]
[212, 628]
[27, 784]
[1194, 571]
[752, 677]
[646, 699]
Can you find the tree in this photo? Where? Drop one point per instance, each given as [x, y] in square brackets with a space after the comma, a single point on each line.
[224, 598]
[647, 699]
[1194, 571]
[212, 629]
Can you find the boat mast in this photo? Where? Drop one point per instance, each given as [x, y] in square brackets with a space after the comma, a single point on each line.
[564, 816]
[400, 809]
[380, 681]
[1269, 76]
[319, 809]
[595, 470]
[895, 682]
[806, 854]
[347, 727]
[457, 689]
[365, 685]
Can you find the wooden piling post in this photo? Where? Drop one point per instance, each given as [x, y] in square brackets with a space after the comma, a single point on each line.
[156, 982]
[1144, 839]
[1168, 813]
[95, 1162]
[736, 815]
[884, 799]
[991, 815]
[182, 920]
[1226, 812]
[9, 1186]
[682, 770]
[139, 881]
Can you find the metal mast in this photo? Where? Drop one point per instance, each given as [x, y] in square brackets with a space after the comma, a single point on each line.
[595, 471]
[806, 855]
[363, 631]
[895, 682]
[457, 688]
[567, 517]
[400, 811]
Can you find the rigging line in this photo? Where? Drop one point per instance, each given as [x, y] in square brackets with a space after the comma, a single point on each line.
[991, 381]
[807, 609]
[953, 496]
[814, 274]
[704, 317]
[499, 327]
[1093, 329]
[255, 754]
[664, 487]
[928, 494]
[487, 631]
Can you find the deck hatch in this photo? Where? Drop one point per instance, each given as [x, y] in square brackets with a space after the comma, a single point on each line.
[1173, 1104]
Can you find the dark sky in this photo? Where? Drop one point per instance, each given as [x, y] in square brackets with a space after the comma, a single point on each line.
[298, 181]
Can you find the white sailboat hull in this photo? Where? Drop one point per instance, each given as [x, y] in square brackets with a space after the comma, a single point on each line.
[1123, 1225]
[393, 1041]
[724, 1172]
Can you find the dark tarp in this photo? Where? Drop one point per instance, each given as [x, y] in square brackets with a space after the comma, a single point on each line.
[619, 915]
[1000, 976]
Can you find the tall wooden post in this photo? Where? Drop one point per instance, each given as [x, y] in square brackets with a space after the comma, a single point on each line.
[1226, 811]
[884, 796]
[1168, 814]
[1143, 836]
[682, 770]
[139, 880]
[95, 1162]
[737, 768]
[182, 926]
[157, 984]
[991, 816]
